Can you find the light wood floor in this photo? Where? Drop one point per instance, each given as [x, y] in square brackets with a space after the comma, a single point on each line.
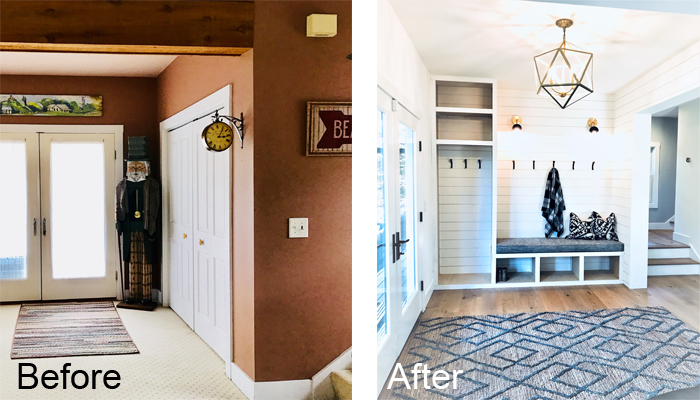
[679, 294]
[663, 239]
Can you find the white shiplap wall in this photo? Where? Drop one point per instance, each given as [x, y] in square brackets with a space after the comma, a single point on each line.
[552, 134]
[674, 77]
[464, 209]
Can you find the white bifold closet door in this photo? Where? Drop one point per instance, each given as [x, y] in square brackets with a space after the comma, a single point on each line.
[199, 235]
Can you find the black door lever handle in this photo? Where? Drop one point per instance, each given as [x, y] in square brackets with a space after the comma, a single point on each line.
[43, 229]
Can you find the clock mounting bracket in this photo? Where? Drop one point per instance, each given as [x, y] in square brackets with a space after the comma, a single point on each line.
[237, 123]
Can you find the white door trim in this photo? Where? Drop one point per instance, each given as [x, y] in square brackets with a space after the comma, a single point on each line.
[116, 130]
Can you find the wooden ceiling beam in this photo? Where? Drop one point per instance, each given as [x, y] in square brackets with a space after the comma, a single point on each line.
[163, 27]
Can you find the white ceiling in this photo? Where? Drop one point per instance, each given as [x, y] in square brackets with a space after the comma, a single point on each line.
[670, 113]
[499, 38]
[83, 64]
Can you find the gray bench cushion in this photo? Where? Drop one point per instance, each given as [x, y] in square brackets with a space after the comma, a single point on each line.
[555, 245]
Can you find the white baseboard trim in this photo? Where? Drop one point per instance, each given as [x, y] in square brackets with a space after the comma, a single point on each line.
[283, 390]
[242, 380]
[660, 225]
[693, 253]
[679, 237]
[319, 387]
[661, 270]
[321, 384]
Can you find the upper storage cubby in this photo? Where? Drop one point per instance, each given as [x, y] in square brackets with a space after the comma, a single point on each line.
[460, 126]
[464, 111]
[469, 95]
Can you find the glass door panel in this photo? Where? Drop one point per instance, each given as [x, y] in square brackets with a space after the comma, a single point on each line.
[13, 209]
[407, 212]
[20, 254]
[382, 328]
[77, 209]
[78, 216]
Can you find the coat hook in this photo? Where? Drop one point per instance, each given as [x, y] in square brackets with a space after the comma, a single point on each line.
[593, 166]
[513, 164]
[450, 163]
[573, 165]
[533, 164]
[479, 164]
[465, 163]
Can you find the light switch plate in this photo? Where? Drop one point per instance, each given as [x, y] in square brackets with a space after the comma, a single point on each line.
[298, 228]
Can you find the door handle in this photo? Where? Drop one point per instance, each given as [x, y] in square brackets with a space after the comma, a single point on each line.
[184, 236]
[380, 245]
[34, 226]
[43, 229]
[397, 242]
[201, 242]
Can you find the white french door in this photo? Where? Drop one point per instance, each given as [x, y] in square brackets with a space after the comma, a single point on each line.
[198, 195]
[20, 216]
[78, 217]
[57, 235]
[398, 302]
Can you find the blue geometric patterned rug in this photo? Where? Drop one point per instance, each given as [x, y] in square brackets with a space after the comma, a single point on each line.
[620, 354]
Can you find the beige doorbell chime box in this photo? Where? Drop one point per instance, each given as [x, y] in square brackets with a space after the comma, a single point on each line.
[321, 25]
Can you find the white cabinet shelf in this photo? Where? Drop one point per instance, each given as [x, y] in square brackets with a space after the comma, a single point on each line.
[461, 110]
[464, 142]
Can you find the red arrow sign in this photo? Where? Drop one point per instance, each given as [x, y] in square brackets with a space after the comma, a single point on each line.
[338, 129]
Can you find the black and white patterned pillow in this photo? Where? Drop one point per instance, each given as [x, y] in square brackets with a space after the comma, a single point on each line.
[580, 229]
[604, 229]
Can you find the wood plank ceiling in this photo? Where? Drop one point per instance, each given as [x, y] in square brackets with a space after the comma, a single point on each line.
[163, 27]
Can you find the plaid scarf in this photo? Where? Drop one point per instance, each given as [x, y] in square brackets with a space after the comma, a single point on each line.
[553, 205]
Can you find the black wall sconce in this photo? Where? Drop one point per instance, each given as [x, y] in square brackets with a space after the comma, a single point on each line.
[592, 123]
[516, 123]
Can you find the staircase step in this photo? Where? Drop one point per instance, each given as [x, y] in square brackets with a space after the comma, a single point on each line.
[663, 253]
[672, 261]
[342, 384]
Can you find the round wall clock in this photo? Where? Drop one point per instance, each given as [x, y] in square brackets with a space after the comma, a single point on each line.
[217, 136]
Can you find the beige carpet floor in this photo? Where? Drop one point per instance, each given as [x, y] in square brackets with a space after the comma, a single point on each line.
[174, 363]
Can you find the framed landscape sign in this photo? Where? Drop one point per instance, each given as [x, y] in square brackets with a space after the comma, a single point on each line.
[51, 105]
[328, 128]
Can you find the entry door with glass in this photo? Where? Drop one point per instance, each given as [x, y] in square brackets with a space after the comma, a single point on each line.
[57, 233]
[398, 303]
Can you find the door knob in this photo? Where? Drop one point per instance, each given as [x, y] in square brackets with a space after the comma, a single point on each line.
[184, 236]
[201, 242]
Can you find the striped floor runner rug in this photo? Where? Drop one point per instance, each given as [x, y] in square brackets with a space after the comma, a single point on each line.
[70, 329]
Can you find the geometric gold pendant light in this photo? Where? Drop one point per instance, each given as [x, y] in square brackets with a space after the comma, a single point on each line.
[565, 74]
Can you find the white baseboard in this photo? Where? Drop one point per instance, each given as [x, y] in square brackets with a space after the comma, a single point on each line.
[241, 379]
[660, 225]
[661, 270]
[319, 387]
[679, 237]
[283, 390]
[321, 384]
[693, 253]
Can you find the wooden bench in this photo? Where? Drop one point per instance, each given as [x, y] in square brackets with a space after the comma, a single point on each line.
[554, 261]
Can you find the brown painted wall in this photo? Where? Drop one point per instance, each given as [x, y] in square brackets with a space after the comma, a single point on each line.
[126, 101]
[186, 81]
[303, 298]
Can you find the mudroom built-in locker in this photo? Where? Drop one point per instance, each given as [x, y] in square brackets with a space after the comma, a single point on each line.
[489, 195]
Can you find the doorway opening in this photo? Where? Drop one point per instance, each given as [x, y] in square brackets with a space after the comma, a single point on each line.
[56, 236]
